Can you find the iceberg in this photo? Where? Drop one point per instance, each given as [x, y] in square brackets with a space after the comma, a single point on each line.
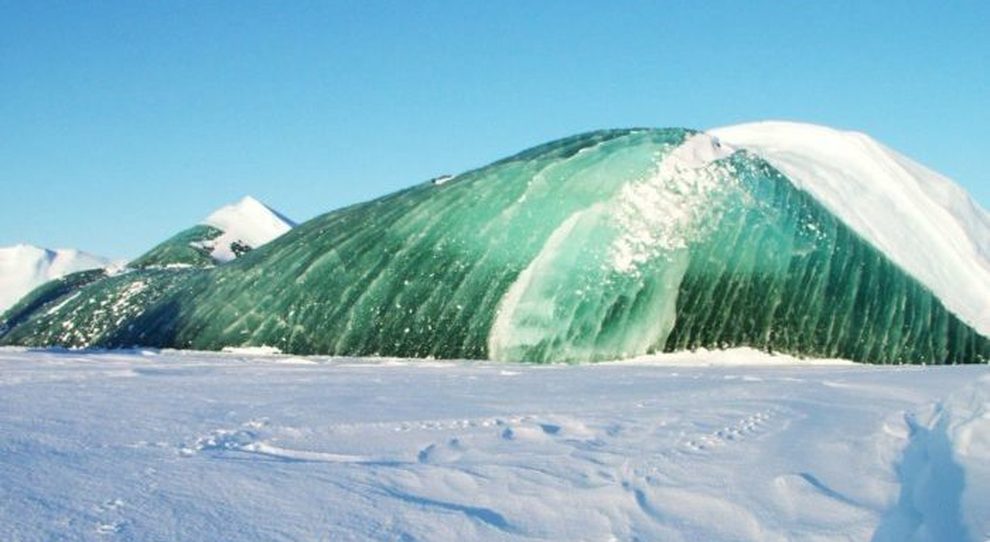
[606, 245]
[25, 267]
[227, 233]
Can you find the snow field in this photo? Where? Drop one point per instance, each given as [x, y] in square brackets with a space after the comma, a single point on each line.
[168, 445]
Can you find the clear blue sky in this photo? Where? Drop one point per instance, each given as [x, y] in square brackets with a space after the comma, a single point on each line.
[124, 122]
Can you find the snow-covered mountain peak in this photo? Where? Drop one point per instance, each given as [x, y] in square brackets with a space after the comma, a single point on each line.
[24, 267]
[923, 221]
[247, 222]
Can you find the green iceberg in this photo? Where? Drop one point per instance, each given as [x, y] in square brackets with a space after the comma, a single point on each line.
[606, 245]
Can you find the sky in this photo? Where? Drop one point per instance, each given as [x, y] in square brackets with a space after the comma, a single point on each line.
[122, 123]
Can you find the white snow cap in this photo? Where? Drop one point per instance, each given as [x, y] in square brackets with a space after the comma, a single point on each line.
[249, 221]
[25, 267]
[921, 220]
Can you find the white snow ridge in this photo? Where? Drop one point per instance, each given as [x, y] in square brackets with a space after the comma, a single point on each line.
[921, 220]
[249, 222]
[25, 267]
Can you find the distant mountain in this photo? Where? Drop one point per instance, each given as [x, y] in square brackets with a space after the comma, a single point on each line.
[227, 233]
[25, 267]
[611, 244]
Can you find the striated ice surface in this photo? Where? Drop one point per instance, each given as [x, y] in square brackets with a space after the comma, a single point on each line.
[921, 220]
[612, 244]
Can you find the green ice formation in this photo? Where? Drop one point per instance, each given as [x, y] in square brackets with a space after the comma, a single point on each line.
[606, 245]
[187, 248]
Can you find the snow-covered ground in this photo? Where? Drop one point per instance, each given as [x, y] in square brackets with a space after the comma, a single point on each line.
[243, 446]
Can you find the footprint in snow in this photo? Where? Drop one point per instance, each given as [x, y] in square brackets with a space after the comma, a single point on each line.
[109, 528]
[447, 452]
[736, 432]
[248, 441]
[220, 440]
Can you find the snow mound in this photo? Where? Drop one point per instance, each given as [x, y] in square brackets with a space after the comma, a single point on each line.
[25, 267]
[943, 473]
[968, 434]
[921, 220]
[729, 357]
[247, 222]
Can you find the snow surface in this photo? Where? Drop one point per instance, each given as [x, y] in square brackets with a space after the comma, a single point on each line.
[921, 220]
[150, 445]
[25, 267]
[248, 221]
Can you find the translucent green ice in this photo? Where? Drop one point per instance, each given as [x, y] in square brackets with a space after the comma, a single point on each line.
[606, 245]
